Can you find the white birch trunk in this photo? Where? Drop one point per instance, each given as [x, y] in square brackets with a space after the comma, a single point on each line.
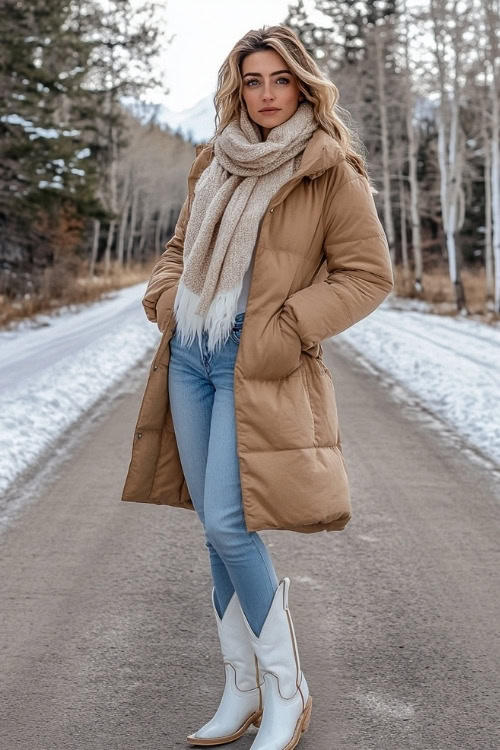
[403, 220]
[450, 155]
[120, 245]
[451, 212]
[384, 134]
[488, 224]
[495, 181]
[416, 237]
[95, 247]
[124, 211]
[109, 244]
[146, 214]
[413, 136]
[133, 221]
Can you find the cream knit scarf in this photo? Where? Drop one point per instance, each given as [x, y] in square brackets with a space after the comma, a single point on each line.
[231, 196]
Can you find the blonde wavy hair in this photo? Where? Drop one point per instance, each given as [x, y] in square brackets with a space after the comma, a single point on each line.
[315, 86]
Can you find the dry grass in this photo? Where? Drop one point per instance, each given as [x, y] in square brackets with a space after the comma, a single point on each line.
[438, 291]
[60, 286]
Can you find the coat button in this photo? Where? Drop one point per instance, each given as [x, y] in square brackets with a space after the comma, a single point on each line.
[155, 367]
[139, 434]
[271, 210]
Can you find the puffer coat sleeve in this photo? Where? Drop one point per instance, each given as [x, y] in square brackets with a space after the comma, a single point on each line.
[359, 272]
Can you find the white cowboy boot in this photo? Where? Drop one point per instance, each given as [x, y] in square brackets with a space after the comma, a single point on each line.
[241, 702]
[287, 703]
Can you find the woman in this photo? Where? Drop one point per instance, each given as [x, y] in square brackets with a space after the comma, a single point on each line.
[278, 246]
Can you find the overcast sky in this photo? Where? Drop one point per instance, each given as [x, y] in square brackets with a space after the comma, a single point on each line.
[205, 32]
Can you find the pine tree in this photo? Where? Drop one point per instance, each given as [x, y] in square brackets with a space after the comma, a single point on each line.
[42, 64]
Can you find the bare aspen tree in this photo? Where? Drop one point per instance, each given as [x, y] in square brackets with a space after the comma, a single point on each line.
[489, 265]
[495, 178]
[132, 225]
[492, 159]
[112, 200]
[378, 32]
[95, 246]
[412, 134]
[449, 21]
[403, 221]
[124, 214]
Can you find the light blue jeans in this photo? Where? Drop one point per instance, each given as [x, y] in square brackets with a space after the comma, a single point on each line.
[200, 386]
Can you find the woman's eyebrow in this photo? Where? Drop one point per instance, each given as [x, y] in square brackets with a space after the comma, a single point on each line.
[273, 74]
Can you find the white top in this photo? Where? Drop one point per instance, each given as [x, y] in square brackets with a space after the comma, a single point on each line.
[242, 299]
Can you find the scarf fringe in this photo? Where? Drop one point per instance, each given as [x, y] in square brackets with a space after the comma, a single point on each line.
[218, 321]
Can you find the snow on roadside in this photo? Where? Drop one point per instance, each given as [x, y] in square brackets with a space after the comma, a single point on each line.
[451, 363]
[71, 363]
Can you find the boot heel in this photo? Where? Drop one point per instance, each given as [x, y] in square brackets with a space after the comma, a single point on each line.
[307, 715]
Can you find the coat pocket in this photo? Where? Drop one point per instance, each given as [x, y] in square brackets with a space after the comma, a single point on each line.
[322, 397]
[270, 350]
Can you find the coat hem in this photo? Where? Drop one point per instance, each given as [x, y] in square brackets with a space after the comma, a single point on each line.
[317, 526]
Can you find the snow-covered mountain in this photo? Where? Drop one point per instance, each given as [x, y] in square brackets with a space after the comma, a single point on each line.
[196, 123]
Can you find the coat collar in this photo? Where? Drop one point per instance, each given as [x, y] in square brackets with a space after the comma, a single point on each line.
[321, 153]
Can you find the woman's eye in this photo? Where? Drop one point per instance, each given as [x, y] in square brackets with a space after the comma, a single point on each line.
[254, 80]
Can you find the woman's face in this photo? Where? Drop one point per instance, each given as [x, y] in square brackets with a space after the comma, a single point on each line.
[268, 84]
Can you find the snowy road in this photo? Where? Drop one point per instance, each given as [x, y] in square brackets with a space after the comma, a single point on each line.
[53, 373]
[451, 365]
[30, 351]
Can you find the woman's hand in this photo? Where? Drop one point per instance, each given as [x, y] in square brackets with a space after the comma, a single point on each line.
[164, 308]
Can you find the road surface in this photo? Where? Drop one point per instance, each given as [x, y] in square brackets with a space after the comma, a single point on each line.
[108, 637]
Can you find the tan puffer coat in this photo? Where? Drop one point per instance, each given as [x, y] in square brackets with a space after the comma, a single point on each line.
[322, 263]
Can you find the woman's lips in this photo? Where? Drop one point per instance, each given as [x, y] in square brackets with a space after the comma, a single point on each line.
[268, 111]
